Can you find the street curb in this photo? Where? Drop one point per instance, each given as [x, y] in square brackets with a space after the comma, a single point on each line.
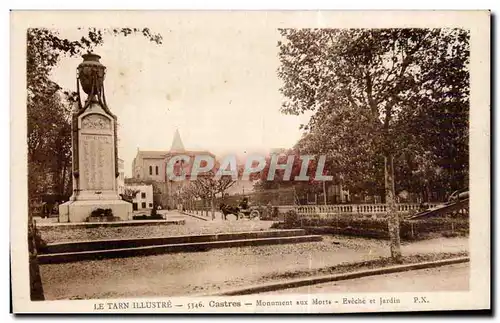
[195, 216]
[269, 287]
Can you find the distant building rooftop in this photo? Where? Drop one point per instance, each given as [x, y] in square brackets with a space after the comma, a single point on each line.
[177, 145]
[177, 148]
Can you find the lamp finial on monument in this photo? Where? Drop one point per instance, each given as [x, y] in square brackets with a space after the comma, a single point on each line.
[90, 76]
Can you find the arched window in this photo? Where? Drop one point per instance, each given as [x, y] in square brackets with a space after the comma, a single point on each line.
[156, 170]
[150, 170]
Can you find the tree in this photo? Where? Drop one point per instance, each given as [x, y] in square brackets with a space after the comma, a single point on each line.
[207, 186]
[49, 111]
[129, 194]
[365, 85]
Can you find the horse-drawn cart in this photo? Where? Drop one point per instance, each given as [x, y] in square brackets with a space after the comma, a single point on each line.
[251, 213]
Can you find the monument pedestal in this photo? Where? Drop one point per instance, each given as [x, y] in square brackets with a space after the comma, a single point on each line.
[94, 152]
[94, 158]
[79, 211]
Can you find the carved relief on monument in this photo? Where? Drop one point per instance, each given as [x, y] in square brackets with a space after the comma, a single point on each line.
[96, 122]
[97, 162]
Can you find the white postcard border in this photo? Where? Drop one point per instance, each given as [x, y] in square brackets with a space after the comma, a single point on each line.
[477, 21]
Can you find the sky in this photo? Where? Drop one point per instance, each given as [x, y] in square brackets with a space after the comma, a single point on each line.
[218, 86]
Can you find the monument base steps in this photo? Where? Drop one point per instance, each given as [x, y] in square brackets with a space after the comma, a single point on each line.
[79, 211]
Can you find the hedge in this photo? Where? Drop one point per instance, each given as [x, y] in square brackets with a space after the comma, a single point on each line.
[375, 227]
[148, 217]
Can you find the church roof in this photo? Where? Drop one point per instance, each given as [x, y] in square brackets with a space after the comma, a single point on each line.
[176, 149]
[177, 145]
[152, 153]
[190, 153]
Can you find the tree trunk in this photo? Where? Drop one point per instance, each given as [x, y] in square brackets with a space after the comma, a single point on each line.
[212, 206]
[63, 180]
[393, 217]
[36, 287]
[324, 193]
[427, 193]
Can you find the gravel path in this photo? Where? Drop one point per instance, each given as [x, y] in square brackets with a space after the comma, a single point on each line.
[192, 226]
[445, 278]
[209, 272]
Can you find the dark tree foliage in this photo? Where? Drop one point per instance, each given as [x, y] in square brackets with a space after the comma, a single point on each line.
[400, 95]
[403, 92]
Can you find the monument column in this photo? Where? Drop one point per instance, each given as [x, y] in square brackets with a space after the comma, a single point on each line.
[94, 151]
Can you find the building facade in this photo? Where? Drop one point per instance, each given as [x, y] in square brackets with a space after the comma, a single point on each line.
[151, 166]
[143, 199]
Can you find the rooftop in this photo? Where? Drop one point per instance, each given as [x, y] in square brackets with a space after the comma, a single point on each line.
[177, 145]
[177, 148]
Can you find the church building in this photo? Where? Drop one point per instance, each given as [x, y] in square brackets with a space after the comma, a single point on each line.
[151, 166]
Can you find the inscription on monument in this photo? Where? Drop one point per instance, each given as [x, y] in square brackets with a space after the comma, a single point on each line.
[97, 162]
[95, 121]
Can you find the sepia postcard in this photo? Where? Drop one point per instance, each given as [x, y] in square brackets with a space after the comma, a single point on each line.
[250, 161]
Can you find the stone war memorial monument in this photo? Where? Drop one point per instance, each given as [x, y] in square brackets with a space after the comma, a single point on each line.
[94, 150]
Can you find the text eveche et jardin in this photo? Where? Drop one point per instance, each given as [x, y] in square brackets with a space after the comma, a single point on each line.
[203, 164]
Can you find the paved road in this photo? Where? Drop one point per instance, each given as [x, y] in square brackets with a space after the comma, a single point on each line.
[211, 271]
[218, 269]
[445, 278]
